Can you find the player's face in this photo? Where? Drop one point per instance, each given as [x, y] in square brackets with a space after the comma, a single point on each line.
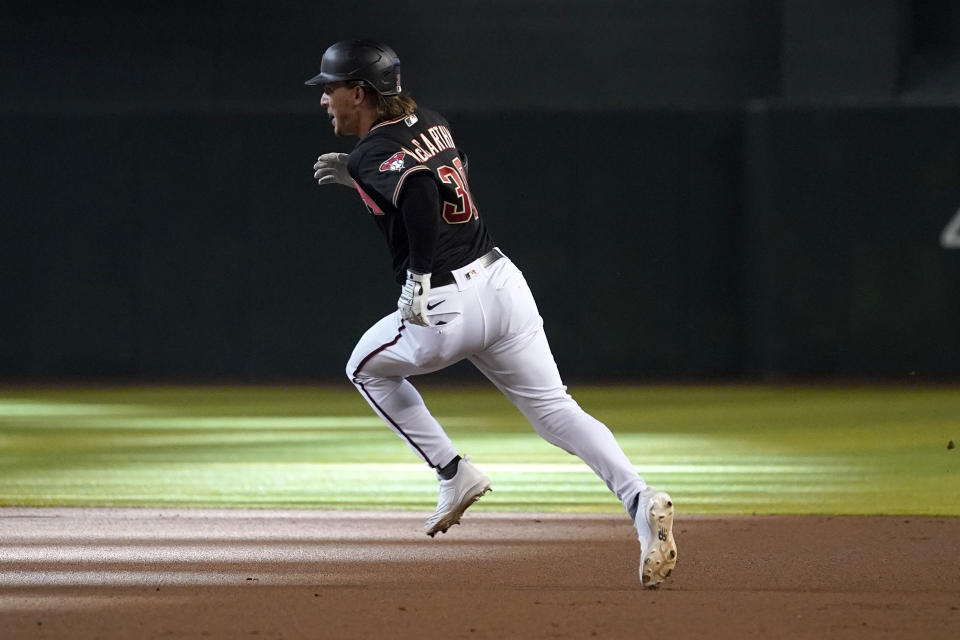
[342, 107]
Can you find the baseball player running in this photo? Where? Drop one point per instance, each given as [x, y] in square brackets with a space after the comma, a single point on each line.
[460, 297]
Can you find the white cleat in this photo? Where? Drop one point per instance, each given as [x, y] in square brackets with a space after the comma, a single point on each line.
[658, 551]
[456, 494]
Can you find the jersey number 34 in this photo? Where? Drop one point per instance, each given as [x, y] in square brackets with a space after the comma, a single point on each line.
[463, 210]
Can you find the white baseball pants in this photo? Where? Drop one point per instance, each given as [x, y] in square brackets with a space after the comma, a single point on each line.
[488, 316]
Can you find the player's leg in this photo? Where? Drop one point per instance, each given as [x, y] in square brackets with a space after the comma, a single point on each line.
[529, 380]
[378, 367]
[522, 366]
[519, 362]
[388, 353]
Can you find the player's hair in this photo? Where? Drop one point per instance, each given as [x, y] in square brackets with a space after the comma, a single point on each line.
[392, 107]
[388, 107]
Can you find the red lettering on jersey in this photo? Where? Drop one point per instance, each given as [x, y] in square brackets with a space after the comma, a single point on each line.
[464, 210]
[437, 137]
[419, 151]
[447, 136]
[430, 148]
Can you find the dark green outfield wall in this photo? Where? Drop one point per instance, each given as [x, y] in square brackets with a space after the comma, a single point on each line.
[694, 188]
[199, 246]
[847, 273]
[775, 241]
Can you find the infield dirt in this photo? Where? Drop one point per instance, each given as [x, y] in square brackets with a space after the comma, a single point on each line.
[154, 573]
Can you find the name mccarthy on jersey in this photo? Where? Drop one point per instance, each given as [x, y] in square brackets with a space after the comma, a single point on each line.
[423, 148]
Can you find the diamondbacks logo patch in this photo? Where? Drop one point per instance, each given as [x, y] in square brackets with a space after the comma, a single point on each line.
[393, 163]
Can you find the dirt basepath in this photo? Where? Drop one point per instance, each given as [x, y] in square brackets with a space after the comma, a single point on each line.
[147, 573]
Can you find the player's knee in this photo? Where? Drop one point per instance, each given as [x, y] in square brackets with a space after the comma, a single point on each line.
[354, 363]
[351, 370]
[557, 417]
[552, 407]
[359, 374]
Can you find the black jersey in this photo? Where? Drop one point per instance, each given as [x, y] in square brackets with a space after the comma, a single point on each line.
[394, 150]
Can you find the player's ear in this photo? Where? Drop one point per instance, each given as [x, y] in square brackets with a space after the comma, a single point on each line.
[360, 93]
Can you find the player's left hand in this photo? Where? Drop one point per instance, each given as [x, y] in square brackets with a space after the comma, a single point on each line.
[331, 168]
[413, 298]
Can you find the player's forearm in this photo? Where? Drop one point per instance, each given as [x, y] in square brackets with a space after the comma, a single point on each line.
[420, 206]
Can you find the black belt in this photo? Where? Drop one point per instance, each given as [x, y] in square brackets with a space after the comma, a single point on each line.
[443, 279]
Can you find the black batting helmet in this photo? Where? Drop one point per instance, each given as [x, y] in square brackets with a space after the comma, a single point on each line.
[367, 60]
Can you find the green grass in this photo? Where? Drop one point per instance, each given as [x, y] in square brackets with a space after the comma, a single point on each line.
[727, 449]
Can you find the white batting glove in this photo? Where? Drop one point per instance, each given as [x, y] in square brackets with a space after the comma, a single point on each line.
[331, 168]
[413, 298]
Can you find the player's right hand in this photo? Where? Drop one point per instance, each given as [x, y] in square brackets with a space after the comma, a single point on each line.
[331, 168]
[413, 298]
